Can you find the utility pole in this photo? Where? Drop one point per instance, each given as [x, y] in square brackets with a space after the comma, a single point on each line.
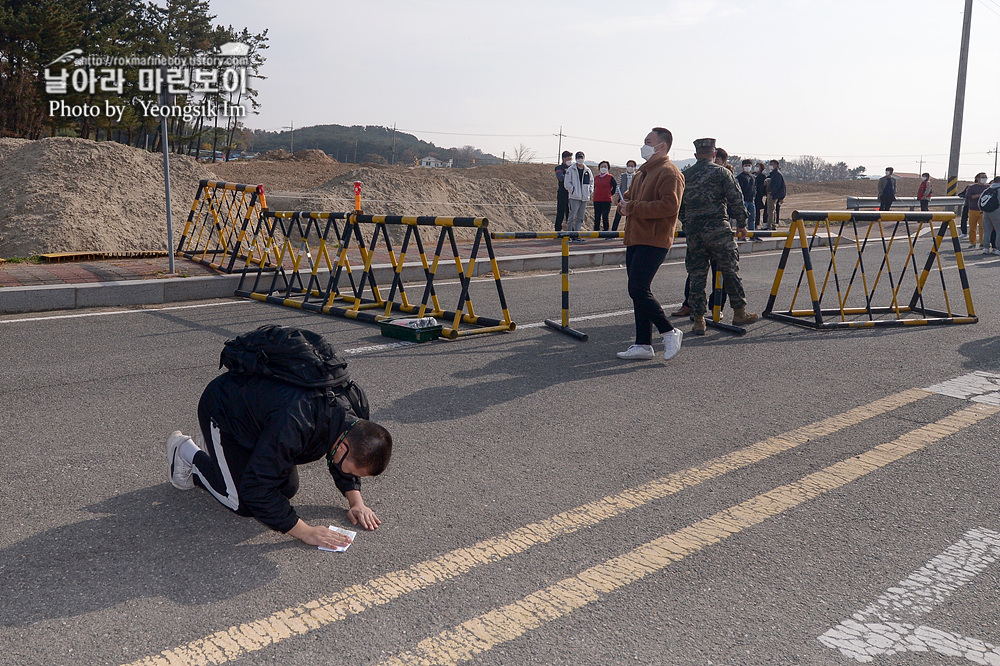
[393, 161]
[355, 151]
[956, 128]
[292, 128]
[921, 171]
[996, 147]
[560, 135]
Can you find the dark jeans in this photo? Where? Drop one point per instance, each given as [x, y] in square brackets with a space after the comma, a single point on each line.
[759, 203]
[924, 203]
[562, 208]
[618, 218]
[965, 219]
[641, 264]
[601, 211]
[885, 203]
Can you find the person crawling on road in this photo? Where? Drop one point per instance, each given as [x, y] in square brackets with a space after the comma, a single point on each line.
[286, 400]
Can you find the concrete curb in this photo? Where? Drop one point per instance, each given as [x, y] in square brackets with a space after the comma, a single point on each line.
[14, 300]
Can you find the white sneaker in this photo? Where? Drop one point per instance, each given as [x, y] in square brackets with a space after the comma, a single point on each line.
[987, 250]
[963, 236]
[180, 472]
[672, 343]
[996, 250]
[637, 353]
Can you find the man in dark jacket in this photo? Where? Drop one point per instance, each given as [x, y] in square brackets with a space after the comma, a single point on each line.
[562, 194]
[775, 195]
[748, 186]
[254, 433]
[886, 190]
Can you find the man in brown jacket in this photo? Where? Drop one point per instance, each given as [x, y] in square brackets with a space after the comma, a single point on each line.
[650, 206]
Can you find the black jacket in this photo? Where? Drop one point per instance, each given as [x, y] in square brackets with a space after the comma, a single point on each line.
[748, 185]
[283, 426]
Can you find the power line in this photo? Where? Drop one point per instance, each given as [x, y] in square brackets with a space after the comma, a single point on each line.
[470, 134]
[988, 7]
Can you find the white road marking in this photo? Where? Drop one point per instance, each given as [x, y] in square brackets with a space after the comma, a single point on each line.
[888, 626]
[976, 386]
[119, 312]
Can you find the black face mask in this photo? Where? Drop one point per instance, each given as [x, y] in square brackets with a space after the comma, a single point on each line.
[335, 466]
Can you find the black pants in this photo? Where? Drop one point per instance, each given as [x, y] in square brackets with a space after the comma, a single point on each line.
[885, 203]
[618, 218]
[924, 203]
[562, 208]
[220, 469]
[965, 219]
[759, 203]
[641, 264]
[601, 211]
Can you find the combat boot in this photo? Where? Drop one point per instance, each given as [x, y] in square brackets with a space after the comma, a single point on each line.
[699, 325]
[741, 317]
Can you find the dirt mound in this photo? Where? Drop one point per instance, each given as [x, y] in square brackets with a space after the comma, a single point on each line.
[277, 177]
[414, 191]
[276, 155]
[312, 155]
[66, 195]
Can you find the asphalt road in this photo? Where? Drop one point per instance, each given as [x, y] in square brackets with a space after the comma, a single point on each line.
[546, 502]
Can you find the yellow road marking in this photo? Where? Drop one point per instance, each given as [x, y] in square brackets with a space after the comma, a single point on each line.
[231, 643]
[504, 624]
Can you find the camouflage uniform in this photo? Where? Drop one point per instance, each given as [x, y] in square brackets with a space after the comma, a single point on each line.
[710, 195]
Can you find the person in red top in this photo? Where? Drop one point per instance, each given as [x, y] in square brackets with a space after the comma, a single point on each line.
[604, 188]
[924, 191]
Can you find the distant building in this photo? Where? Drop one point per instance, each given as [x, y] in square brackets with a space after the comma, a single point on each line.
[434, 163]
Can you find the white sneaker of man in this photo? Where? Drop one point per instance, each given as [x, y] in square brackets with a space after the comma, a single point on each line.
[180, 472]
[987, 250]
[672, 343]
[637, 353]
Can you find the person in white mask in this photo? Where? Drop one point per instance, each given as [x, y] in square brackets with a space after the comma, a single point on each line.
[604, 190]
[562, 196]
[925, 191]
[972, 194]
[748, 186]
[624, 182]
[579, 182]
[651, 205]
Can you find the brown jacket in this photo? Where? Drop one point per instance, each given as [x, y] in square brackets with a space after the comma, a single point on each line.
[654, 199]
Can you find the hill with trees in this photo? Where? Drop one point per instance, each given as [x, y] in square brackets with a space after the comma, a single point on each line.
[368, 143]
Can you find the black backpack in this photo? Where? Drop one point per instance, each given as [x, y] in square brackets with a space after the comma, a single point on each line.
[294, 356]
[989, 200]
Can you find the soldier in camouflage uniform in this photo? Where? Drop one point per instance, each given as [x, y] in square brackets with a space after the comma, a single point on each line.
[710, 195]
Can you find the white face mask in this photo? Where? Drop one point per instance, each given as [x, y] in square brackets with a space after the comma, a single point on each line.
[756, 169]
[770, 169]
[982, 180]
[646, 151]
[746, 169]
[888, 173]
[630, 170]
[579, 161]
[568, 162]
[604, 170]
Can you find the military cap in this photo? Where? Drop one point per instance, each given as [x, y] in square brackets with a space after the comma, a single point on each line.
[704, 144]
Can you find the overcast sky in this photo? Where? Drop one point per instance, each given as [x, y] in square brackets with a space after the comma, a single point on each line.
[868, 82]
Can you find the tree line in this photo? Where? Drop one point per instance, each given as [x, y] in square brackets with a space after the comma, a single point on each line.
[808, 168]
[34, 33]
[368, 143]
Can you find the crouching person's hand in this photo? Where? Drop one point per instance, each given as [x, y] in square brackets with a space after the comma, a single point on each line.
[318, 535]
[361, 513]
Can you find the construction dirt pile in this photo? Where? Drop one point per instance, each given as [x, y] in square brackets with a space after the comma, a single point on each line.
[280, 176]
[415, 191]
[66, 195]
[312, 155]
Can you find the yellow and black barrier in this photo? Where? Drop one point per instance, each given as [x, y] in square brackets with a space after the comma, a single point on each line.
[295, 280]
[881, 304]
[563, 326]
[221, 225]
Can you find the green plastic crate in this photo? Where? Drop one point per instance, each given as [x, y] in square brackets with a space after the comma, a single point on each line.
[398, 332]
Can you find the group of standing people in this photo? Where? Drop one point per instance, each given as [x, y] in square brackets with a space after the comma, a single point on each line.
[703, 199]
[762, 188]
